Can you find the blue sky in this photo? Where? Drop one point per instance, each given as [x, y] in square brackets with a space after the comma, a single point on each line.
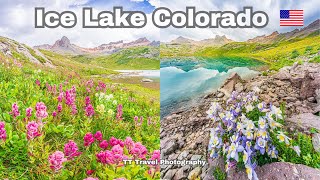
[17, 19]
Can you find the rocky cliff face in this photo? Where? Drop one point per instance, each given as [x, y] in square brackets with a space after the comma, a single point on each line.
[185, 134]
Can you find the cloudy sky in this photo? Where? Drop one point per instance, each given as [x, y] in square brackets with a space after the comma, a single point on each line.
[17, 19]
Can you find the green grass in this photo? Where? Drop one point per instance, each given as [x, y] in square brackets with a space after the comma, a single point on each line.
[131, 58]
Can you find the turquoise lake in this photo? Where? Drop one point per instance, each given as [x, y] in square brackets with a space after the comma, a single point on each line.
[183, 82]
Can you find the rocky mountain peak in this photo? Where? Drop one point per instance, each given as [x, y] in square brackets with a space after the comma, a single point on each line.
[63, 42]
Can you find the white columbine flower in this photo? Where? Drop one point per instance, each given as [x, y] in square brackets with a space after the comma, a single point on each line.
[249, 108]
[283, 138]
[250, 125]
[262, 123]
[276, 111]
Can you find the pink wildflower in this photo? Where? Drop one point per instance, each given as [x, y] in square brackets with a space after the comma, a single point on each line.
[3, 132]
[41, 109]
[122, 178]
[74, 109]
[139, 151]
[59, 108]
[114, 141]
[98, 136]
[29, 112]
[129, 143]
[104, 144]
[60, 97]
[117, 152]
[38, 82]
[15, 110]
[54, 113]
[90, 172]
[119, 112]
[155, 157]
[71, 150]
[89, 110]
[88, 101]
[88, 139]
[56, 159]
[32, 130]
[105, 157]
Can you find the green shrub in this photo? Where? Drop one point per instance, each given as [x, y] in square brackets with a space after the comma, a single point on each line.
[294, 54]
[218, 174]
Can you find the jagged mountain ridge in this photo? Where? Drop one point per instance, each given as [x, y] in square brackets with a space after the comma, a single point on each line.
[64, 46]
[276, 36]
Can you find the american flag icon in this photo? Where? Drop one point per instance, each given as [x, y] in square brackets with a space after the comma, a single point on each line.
[291, 17]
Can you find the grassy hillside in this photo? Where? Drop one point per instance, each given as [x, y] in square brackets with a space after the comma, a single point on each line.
[131, 58]
[277, 54]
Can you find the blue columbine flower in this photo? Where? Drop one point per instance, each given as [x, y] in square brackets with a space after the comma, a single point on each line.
[252, 175]
[273, 153]
[234, 148]
[260, 145]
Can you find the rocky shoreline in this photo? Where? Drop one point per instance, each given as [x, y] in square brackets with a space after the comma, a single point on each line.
[185, 134]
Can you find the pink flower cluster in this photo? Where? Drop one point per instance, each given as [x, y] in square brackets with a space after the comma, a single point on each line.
[155, 157]
[101, 87]
[115, 156]
[33, 130]
[3, 133]
[41, 110]
[98, 136]
[119, 112]
[70, 97]
[114, 141]
[139, 151]
[71, 150]
[15, 110]
[88, 139]
[29, 112]
[89, 108]
[56, 159]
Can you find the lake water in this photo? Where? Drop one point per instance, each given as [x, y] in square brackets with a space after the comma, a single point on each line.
[183, 81]
[140, 73]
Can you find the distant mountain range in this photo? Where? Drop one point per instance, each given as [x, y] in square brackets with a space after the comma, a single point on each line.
[64, 46]
[217, 40]
[273, 37]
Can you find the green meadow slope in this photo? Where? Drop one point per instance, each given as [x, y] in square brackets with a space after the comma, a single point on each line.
[277, 54]
[144, 57]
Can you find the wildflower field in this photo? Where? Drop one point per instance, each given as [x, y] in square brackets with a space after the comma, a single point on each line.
[59, 124]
